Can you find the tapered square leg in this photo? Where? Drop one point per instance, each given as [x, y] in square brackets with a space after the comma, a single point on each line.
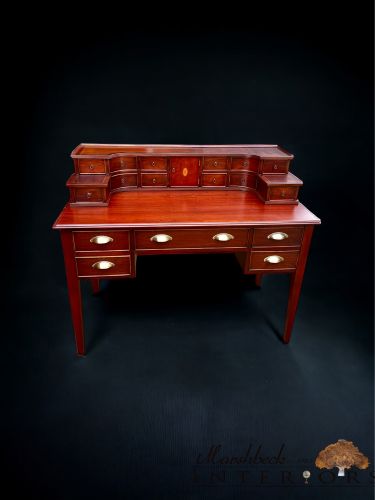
[74, 290]
[258, 279]
[95, 284]
[296, 279]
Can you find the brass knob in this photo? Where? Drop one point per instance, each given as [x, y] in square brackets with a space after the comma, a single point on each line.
[161, 238]
[223, 237]
[275, 167]
[88, 195]
[103, 265]
[243, 180]
[173, 170]
[101, 240]
[277, 236]
[122, 162]
[246, 163]
[274, 259]
[153, 163]
[91, 166]
[123, 180]
[154, 180]
[215, 163]
[282, 194]
[214, 180]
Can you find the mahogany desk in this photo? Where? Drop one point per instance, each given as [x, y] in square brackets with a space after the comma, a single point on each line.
[108, 223]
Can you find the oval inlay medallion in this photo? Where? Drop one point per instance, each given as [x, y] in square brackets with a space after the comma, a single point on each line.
[185, 172]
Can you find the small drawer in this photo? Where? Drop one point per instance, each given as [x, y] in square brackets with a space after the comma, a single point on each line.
[249, 164]
[154, 180]
[283, 193]
[273, 260]
[91, 166]
[278, 236]
[214, 180]
[243, 180]
[156, 163]
[214, 163]
[120, 181]
[191, 238]
[89, 194]
[86, 241]
[275, 166]
[122, 163]
[101, 266]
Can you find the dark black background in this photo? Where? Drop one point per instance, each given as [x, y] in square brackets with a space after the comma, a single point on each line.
[186, 356]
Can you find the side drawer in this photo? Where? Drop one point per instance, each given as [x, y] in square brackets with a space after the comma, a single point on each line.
[274, 166]
[123, 180]
[273, 260]
[100, 240]
[88, 194]
[101, 266]
[278, 236]
[91, 166]
[161, 239]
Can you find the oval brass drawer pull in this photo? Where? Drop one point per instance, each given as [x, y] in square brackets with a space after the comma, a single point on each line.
[161, 238]
[278, 236]
[101, 240]
[103, 265]
[223, 237]
[274, 259]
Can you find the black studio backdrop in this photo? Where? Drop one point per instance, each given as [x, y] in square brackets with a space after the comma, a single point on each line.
[129, 420]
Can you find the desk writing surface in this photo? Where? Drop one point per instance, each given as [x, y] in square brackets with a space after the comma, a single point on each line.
[183, 208]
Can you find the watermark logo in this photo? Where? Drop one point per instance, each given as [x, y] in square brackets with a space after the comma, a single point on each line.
[343, 455]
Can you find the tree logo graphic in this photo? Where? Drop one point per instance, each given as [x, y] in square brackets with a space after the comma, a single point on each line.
[343, 455]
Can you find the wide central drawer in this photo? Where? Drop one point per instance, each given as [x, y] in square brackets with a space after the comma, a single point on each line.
[191, 238]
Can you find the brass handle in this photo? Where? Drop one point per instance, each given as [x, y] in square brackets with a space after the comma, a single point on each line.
[214, 180]
[246, 163]
[161, 238]
[215, 163]
[282, 194]
[173, 170]
[88, 195]
[243, 181]
[154, 180]
[274, 259]
[91, 166]
[103, 265]
[101, 240]
[275, 167]
[122, 162]
[278, 236]
[153, 163]
[223, 237]
[123, 181]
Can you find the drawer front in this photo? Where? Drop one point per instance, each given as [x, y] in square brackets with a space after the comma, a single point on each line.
[122, 163]
[111, 266]
[124, 180]
[214, 180]
[243, 180]
[89, 194]
[214, 163]
[275, 166]
[191, 238]
[250, 164]
[283, 193]
[184, 172]
[156, 163]
[278, 236]
[154, 180]
[94, 166]
[273, 260]
[86, 241]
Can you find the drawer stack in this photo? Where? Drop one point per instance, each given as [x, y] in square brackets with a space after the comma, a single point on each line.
[273, 249]
[101, 254]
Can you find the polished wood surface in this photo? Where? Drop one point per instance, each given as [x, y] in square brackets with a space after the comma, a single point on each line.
[156, 199]
[184, 209]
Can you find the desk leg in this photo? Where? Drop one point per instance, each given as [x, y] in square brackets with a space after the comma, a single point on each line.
[296, 279]
[95, 284]
[258, 279]
[74, 290]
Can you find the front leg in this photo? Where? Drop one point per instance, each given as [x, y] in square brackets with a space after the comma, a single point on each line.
[74, 290]
[296, 279]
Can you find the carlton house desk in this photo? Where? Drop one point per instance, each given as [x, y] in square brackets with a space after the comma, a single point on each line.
[130, 200]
